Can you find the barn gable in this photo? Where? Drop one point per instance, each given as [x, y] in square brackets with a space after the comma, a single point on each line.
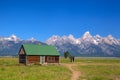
[22, 51]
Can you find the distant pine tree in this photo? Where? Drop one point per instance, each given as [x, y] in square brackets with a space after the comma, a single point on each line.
[66, 54]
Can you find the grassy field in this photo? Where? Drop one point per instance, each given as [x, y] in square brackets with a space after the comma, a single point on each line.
[97, 68]
[11, 70]
[90, 69]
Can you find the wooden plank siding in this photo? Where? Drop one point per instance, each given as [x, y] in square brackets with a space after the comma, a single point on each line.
[56, 59]
[36, 59]
[22, 59]
[52, 59]
[48, 59]
[33, 59]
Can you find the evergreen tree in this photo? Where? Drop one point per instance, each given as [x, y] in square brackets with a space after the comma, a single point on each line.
[66, 54]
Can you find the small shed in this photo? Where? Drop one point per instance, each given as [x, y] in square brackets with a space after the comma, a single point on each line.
[30, 54]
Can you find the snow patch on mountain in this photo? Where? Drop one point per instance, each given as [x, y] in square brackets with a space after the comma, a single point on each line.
[111, 40]
[32, 39]
[87, 35]
[87, 44]
[10, 38]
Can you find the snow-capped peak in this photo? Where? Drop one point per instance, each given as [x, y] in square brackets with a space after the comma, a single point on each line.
[32, 39]
[71, 37]
[86, 35]
[11, 38]
[87, 38]
[110, 37]
[73, 40]
[97, 36]
[52, 39]
[110, 40]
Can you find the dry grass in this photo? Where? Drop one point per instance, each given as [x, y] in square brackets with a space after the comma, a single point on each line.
[90, 69]
[97, 68]
[11, 70]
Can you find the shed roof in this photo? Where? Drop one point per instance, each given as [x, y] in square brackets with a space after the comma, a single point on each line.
[31, 49]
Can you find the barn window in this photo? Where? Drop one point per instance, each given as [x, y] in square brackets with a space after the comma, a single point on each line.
[50, 58]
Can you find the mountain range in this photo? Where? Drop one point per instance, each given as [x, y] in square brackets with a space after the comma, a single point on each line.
[87, 45]
[9, 46]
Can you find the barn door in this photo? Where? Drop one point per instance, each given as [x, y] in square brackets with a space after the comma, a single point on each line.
[42, 59]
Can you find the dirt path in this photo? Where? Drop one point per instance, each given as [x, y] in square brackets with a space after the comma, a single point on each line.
[75, 74]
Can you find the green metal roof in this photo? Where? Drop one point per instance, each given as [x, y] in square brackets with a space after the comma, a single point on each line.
[31, 49]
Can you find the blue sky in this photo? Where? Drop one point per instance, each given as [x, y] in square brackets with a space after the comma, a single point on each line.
[43, 18]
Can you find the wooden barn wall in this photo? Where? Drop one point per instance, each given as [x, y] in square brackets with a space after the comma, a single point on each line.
[57, 59]
[33, 59]
[22, 56]
[22, 59]
[52, 59]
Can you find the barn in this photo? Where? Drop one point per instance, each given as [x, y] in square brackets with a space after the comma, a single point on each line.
[40, 54]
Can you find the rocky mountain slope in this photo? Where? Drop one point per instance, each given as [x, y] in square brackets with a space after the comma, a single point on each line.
[9, 46]
[87, 45]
